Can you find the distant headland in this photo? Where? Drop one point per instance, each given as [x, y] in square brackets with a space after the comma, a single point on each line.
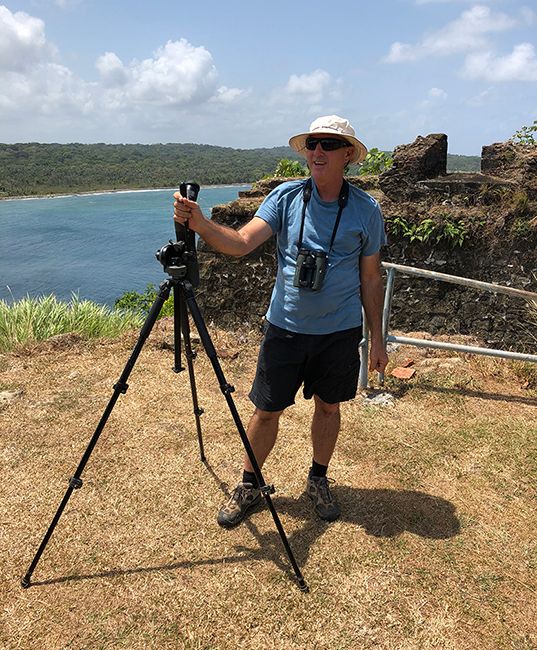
[33, 169]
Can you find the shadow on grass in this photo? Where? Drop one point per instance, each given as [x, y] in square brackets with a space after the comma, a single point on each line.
[467, 392]
[378, 512]
[386, 513]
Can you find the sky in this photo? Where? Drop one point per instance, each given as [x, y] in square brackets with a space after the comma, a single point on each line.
[249, 74]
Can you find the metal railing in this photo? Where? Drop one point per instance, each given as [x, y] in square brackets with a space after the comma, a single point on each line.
[431, 343]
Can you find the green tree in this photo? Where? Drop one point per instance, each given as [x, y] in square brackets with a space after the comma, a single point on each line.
[290, 168]
[375, 162]
[525, 135]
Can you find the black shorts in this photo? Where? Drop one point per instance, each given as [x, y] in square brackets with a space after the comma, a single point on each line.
[327, 364]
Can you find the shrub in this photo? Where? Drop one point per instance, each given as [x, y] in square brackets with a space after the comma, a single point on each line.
[525, 135]
[290, 168]
[375, 162]
[452, 232]
[140, 303]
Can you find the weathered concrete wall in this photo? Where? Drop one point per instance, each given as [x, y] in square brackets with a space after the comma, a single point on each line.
[424, 158]
[515, 162]
[500, 245]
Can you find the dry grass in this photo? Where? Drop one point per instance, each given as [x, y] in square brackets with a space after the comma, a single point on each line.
[436, 547]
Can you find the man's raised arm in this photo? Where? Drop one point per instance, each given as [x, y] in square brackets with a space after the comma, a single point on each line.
[222, 238]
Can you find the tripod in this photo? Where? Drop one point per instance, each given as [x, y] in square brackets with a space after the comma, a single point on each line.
[179, 261]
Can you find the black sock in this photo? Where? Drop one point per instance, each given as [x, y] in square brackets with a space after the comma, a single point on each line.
[318, 470]
[249, 477]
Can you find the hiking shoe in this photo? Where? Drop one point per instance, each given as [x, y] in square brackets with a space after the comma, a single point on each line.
[324, 503]
[244, 497]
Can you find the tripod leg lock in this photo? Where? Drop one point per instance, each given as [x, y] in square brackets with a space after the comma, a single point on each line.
[267, 489]
[121, 387]
[199, 411]
[227, 389]
[75, 483]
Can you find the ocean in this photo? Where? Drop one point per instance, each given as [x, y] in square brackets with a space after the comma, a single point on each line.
[95, 245]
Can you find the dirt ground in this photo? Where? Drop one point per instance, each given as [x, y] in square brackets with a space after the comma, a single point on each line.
[435, 474]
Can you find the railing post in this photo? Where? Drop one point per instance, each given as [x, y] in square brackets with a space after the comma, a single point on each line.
[454, 279]
[386, 312]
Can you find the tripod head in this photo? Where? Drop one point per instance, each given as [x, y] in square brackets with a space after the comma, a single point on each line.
[179, 258]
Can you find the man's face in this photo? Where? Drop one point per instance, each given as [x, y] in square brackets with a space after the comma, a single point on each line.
[325, 164]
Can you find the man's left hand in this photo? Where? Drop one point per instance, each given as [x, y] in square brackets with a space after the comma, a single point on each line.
[378, 358]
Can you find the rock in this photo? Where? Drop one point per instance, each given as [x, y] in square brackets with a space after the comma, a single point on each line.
[224, 353]
[512, 161]
[249, 194]
[8, 396]
[237, 291]
[463, 184]
[403, 373]
[379, 399]
[424, 158]
[64, 341]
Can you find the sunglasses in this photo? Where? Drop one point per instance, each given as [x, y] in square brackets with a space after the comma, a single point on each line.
[327, 144]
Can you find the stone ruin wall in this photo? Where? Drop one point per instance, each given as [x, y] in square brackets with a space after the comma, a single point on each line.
[500, 247]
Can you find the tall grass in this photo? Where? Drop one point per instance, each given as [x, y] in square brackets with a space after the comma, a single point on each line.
[36, 319]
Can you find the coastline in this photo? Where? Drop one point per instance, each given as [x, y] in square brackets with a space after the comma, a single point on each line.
[63, 195]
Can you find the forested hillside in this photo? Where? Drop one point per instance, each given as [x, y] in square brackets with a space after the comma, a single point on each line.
[456, 163]
[35, 169]
[28, 169]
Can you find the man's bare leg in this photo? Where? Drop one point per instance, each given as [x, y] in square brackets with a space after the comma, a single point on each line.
[262, 433]
[324, 430]
[324, 434]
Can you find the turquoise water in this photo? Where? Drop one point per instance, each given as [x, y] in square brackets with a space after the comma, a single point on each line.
[97, 245]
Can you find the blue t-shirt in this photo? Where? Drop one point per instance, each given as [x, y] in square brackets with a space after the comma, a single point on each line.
[337, 305]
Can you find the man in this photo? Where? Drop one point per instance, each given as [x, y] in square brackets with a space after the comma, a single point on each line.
[329, 236]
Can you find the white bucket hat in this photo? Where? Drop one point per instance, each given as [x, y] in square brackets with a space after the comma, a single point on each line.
[330, 125]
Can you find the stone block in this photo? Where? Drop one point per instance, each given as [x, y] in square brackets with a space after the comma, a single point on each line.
[424, 158]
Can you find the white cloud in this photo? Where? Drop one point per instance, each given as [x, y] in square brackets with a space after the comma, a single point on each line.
[520, 65]
[225, 95]
[111, 69]
[400, 52]
[313, 84]
[46, 90]
[481, 99]
[22, 41]
[435, 97]
[38, 84]
[466, 33]
[178, 75]
[437, 94]
[311, 90]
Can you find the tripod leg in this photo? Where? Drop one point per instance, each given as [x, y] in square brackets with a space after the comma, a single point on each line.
[227, 389]
[178, 309]
[179, 300]
[120, 387]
